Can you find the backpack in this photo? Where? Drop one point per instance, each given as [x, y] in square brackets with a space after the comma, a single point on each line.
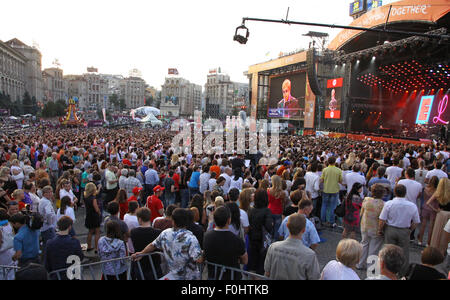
[35, 221]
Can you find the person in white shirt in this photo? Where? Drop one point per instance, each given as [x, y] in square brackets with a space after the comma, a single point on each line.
[353, 177]
[313, 184]
[421, 173]
[66, 190]
[401, 217]
[66, 210]
[132, 221]
[406, 162]
[204, 178]
[227, 175]
[236, 181]
[413, 188]
[437, 171]
[123, 178]
[212, 182]
[348, 253]
[394, 172]
[47, 212]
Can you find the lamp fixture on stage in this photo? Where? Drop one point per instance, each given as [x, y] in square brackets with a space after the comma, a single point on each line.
[242, 39]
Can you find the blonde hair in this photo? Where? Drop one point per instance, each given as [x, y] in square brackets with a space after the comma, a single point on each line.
[442, 193]
[90, 189]
[245, 197]
[17, 193]
[277, 186]
[218, 202]
[4, 172]
[351, 159]
[348, 252]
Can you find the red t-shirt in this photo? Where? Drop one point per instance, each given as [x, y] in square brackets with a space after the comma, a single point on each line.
[123, 207]
[275, 204]
[176, 178]
[126, 162]
[132, 198]
[154, 204]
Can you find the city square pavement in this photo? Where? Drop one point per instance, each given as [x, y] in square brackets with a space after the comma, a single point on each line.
[326, 250]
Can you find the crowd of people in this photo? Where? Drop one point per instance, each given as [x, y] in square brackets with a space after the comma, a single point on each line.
[226, 209]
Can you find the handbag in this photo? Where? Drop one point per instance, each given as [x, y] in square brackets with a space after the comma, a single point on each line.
[340, 210]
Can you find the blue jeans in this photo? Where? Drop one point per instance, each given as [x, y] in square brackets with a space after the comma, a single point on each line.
[276, 226]
[184, 198]
[192, 192]
[329, 203]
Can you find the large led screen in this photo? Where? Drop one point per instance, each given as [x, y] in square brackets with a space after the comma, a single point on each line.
[287, 96]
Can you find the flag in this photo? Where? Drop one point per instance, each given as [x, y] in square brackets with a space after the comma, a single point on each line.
[104, 114]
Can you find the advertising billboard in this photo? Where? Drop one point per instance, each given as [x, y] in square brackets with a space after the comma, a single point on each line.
[357, 7]
[287, 96]
[334, 95]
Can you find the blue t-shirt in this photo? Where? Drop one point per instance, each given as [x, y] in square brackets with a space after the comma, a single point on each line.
[310, 236]
[27, 241]
[193, 182]
[384, 181]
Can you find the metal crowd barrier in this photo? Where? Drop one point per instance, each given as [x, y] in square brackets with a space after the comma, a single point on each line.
[219, 272]
[5, 271]
[96, 270]
[93, 268]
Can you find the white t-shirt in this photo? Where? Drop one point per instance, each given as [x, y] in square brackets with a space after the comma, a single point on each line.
[413, 189]
[63, 193]
[335, 270]
[110, 176]
[244, 218]
[393, 173]
[436, 172]
[132, 222]
[211, 184]
[69, 212]
[447, 229]
[236, 183]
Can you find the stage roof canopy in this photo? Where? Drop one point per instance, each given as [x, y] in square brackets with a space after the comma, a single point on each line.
[407, 15]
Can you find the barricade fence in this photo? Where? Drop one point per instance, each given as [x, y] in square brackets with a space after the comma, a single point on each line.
[151, 266]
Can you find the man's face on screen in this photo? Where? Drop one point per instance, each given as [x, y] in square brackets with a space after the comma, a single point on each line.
[286, 93]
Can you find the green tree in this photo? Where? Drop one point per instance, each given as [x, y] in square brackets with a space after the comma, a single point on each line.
[114, 99]
[122, 104]
[27, 103]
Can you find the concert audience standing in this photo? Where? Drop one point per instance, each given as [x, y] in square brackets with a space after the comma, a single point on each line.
[90, 166]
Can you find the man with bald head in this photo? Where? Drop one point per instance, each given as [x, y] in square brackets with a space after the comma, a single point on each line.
[289, 105]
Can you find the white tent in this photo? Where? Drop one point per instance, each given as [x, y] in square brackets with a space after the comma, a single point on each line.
[146, 110]
[150, 118]
[13, 118]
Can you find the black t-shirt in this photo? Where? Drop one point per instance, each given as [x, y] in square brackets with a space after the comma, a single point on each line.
[66, 162]
[197, 231]
[223, 248]
[290, 210]
[421, 272]
[237, 164]
[141, 237]
[369, 162]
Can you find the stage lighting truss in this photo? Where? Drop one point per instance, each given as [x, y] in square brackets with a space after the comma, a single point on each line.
[408, 76]
[396, 48]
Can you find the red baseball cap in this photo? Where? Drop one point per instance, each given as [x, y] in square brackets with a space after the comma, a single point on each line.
[158, 188]
[136, 190]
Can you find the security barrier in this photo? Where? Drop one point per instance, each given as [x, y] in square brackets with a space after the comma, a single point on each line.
[136, 270]
[229, 272]
[8, 272]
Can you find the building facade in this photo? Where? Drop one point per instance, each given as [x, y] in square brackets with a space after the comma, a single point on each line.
[179, 97]
[221, 92]
[55, 87]
[133, 91]
[12, 72]
[33, 68]
[77, 87]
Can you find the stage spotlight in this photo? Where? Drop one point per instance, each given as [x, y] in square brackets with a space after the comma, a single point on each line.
[243, 34]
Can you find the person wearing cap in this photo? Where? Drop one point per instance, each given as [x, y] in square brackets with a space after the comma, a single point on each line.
[155, 204]
[136, 191]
